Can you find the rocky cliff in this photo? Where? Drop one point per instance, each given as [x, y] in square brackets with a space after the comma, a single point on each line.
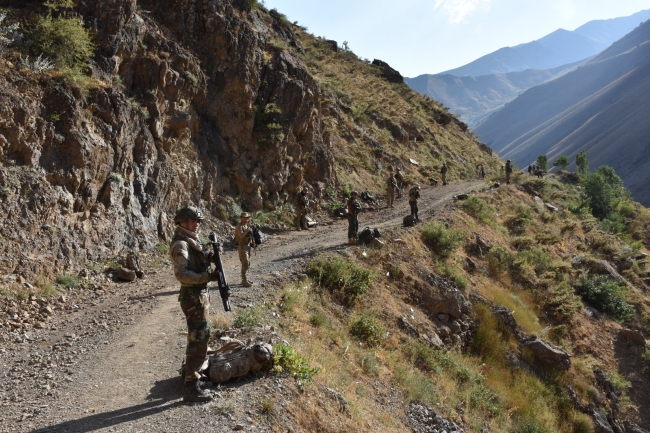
[187, 101]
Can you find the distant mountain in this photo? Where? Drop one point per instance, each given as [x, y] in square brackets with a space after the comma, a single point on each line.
[475, 98]
[558, 48]
[601, 107]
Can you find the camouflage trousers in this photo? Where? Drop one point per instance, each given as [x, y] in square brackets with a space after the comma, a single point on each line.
[414, 208]
[390, 197]
[195, 305]
[508, 177]
[245, 259]
[444, 178]
[301, 218]
[353, 226]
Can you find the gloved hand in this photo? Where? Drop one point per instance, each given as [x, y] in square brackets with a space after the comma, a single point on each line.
[214, 276]
[211, 257]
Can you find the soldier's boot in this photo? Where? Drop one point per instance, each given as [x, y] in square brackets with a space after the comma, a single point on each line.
[352, 241]
[245, 282]
[192, 392]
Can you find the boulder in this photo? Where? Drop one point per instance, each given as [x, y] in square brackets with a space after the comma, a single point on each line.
[432, 340]
[452, 303]
[126, 274]
[602, 267]
[390, 74]
[407, 327]
[631, 427]
[550, 355]
[633, 336]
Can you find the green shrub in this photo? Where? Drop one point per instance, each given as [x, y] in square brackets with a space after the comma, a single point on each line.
[499, 260]
[63, 39]
[582, 163]
[548, 238]
[479, 210]
[318, 320]
[250, 318]
[542, 162]
[441, 240]
[369, 364]
[602, 191]
[562, 162]
[367, 329]
[68, 281]
[190, 76]
[522, 242]
[536, 258]
[563, 302]
[606, 295]
[286, 359]
[530, 425]
[342, 275]
[451, 272]
[518, 223]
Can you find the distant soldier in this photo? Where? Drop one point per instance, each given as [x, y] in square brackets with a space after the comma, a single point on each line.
[482, 172]
[414, 195]
[391, 186]
[192, 270]
[530, 169]
[301, 210]
[245, 241]
[354, 207]
[508, 171]
[399, 177]
[443, 173]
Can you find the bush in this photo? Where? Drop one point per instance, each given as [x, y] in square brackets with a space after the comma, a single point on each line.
[479, 209]
[342, 275]
[518, 223]
[606, 295]
[286, 359]
[563, 302]
[369, 364]
[602, 191]
[250, 318]
[443, 241]
[562, 162]
[68, 281]
[367, 329]
[63, 39]
[499, 260]
[542, 162]
[582, 163]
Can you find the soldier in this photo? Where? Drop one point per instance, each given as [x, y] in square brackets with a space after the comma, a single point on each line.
[354, 207]
[399, 178]
[301, 211]
[391, 186]
[245, 241]
[443, 172]
[414, 195]
[191, 269]
[482, 172]
[530, 170]
[508, 171]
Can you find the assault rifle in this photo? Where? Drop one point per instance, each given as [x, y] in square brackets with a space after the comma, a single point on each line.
[224, 289]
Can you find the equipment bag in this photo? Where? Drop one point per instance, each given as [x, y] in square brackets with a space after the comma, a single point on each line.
[409, 221]
[365, 236]
[258, 236]
[365, 196]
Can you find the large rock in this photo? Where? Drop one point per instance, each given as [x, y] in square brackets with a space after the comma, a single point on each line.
[451, 302]
[390, 74]
[603, 267]
[548, 354]
[633, 336]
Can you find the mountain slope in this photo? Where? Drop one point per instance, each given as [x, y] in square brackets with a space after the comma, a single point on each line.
[556, 49]
[600, 107]
[475, 98]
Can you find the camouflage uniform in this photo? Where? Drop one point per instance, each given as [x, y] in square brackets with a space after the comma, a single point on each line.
[243, 238]
[354, 207]
[301, 211]
[399, 178]
[191, 269]
[414, 195]
[443, 173]
[391, 186]
[508, 171]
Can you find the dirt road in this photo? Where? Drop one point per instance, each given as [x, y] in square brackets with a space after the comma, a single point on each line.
[111, 364]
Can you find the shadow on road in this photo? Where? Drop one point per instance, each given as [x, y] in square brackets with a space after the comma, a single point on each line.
[164, 395]
[311, 252]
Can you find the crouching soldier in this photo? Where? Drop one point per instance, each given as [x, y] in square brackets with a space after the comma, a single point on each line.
[354, 207]
[192, 270]
[414, 195]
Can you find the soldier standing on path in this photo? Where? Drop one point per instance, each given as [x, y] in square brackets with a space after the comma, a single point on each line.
[399, 178]
[391, 186]
[301, 211]
[245, 241]
[482, 171]
[443, 172]
[354, 207]
[508, 171]
[191, 269]
[414, 195]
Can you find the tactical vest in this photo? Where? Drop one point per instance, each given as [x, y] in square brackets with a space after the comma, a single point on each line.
[197, 260]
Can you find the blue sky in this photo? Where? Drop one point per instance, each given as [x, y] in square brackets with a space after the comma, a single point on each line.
[429, 36]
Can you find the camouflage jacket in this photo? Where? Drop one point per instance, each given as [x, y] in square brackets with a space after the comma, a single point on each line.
[354, 207]
[303, 200]
[399, 177]
[443, 169]
[243, 235]
[391, 183]
[190, 262]
[414, 195]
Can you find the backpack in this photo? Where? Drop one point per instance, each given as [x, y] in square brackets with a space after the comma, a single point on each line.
[409, 221]
[235, 359]
[365, 236]
[258, 236]
[365, 196]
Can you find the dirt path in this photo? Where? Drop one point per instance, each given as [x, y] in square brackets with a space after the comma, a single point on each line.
[119, 373]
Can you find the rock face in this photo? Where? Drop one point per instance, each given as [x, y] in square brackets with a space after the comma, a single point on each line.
[549, 354]
[389, 73]
[192, 90]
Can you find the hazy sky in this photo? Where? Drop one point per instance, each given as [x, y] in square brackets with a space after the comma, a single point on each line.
[429, 36]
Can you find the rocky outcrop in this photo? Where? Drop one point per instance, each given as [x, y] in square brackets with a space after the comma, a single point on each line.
[548, 354]
[390, 74]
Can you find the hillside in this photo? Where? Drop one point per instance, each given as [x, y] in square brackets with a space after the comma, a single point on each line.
[558, 48]
[476, 98]
[600, 107]
[227, 107]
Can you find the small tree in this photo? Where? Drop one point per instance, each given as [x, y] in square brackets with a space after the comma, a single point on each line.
[542, 162]
[582, 163]
[602, 192]
[562, 162]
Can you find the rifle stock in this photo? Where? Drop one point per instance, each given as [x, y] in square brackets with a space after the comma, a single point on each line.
[224, 289]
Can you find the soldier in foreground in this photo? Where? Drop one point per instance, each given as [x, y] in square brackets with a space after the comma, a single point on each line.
[414, 195]
[301, 210]
[443, 173]
[244, 239]
[191, 269]
[399, 178]
[508, 171]
[354, 207]
[391, 186]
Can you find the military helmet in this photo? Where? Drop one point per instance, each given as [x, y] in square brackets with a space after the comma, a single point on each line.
[508, 161]
[245, 215]
[399, 169]
[417, 185]
[354, 193]
[188, 213]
